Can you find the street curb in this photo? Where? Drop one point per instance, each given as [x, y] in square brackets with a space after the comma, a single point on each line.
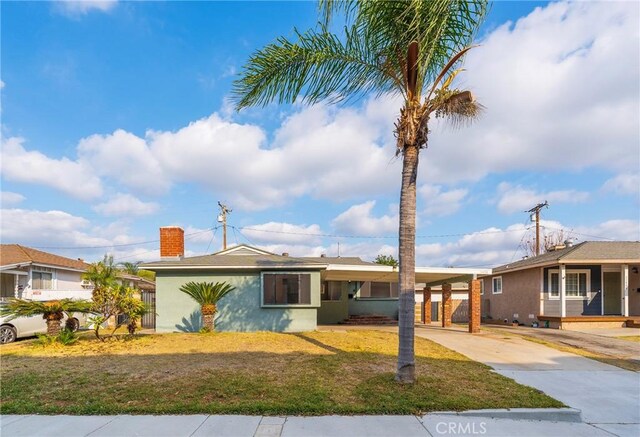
[542, 414]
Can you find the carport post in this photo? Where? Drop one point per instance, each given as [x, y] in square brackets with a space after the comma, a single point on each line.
[426, 305]
[474, 306]
[446, 305]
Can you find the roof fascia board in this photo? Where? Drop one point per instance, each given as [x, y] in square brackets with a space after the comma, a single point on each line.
[53, 266]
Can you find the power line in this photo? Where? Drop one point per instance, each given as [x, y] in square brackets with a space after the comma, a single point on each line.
[372, 237]
[139, 243]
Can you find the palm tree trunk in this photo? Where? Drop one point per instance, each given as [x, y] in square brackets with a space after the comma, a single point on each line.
[53, 327]
[407, 257]
[207, 322]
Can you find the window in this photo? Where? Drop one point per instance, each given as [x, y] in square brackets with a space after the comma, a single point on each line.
[576, 283]
[331, 290]
[496, 285]
[379, 290]
[286, 289]
[41, 281]
[481, 287]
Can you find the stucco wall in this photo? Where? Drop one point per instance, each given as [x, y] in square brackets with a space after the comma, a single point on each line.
[238, 311]
[520, 296]
[334, 311]
[67, 280]
[385, 307]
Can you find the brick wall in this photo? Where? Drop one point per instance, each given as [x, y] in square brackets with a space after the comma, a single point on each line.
[171, 242]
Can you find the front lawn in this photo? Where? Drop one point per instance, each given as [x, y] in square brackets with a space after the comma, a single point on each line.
[249, 373]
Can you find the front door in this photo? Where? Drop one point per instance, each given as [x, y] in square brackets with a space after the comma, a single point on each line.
[612, 293]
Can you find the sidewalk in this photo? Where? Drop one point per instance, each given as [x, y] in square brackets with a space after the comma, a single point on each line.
[608, 397]
[256, 426]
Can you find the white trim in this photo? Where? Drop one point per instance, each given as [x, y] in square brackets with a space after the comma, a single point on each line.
[315, 267]
[569, 272]
[601, 291]
[562, 285]
[541, 288]
[52, 266]
[493, 285]
[244, 246]
[625, 290]
[15, 272]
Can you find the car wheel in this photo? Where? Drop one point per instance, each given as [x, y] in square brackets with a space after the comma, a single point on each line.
[7, 334]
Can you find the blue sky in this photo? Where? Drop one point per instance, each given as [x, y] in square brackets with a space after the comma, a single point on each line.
[116, 120]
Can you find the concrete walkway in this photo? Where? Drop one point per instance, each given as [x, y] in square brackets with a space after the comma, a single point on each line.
[608, 397]
[601, 341]
[256, 426]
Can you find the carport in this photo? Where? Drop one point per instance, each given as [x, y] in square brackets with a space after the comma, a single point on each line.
[430, 276]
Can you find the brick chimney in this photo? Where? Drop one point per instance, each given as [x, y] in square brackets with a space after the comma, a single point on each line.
[171, 242]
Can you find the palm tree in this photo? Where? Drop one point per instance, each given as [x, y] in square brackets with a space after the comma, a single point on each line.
[407, 48]
[52, 311]
[131, 268]
[207, 294]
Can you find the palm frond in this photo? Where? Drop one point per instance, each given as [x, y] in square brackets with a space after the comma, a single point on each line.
[28, 308]
[318, 66]
[206, 293]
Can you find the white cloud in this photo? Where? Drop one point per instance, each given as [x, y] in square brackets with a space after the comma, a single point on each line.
[7, 198]
[560, 88]
[126, 205]
[71, 177]
[282, 233]
[358, 220]
[515, 198]
[125, 158]
[439, 202]
[626, 183]
[1, 84]
[76, 8]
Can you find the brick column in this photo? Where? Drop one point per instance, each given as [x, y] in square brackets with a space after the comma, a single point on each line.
[474, 306]
[426, 305]
[446, 305]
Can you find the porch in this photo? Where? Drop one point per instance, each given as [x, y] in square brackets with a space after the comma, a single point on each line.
[576, 323]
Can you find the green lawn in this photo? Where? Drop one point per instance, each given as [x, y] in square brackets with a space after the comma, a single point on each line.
[249, 373]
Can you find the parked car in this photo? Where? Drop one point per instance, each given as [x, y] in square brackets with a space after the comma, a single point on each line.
[20, 327]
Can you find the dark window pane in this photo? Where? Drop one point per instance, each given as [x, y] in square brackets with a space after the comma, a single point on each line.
[365, 289]
[394, 289]
[305, 289]
[269, 287]
[380, 289]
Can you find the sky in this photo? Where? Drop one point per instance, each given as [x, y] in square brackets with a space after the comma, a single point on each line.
[116, 119]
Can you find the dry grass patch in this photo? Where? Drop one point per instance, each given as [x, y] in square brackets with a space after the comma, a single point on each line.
[250, 373]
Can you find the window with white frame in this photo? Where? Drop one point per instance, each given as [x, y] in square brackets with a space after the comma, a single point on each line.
[286, 289]
[577, 283]
[481, 287]
[496, 285]
[42, 280]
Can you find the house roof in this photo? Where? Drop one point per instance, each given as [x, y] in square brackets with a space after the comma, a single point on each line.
[602, 252]
[12, 254]
[142, 283]
[333, 268]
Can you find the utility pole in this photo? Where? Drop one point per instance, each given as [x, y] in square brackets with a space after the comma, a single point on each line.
[536, 210]
[222, 218]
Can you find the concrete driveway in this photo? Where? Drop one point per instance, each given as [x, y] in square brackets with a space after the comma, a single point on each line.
[609, 397]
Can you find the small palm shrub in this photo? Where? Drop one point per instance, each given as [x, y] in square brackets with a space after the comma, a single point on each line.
[207, 294]
[52, 310]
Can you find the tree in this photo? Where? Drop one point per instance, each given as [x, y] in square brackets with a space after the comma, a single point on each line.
[407, 48]
[131, 268]
[207, 294]
[549, 241]
[387, 260]
[52, 311]
[111, 299]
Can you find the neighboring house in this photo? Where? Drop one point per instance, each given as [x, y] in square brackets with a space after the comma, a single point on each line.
[571, 283]
[278, 292]
[33, 274]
